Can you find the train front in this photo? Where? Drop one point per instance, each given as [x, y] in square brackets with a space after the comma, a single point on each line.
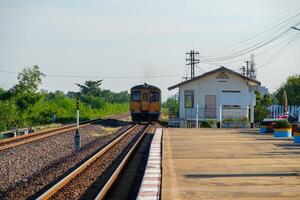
[145, 103]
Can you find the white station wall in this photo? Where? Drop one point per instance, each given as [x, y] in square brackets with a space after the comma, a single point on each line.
[210, 85]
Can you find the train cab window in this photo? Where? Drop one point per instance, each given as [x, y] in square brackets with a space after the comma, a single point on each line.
[136, 96]
[154, 96]
[145, 96]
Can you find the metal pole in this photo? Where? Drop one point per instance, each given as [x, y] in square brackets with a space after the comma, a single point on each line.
[247, 112]
[77, 133]
[197, 117]
[299, 114]
[252, 116]
[220, 116]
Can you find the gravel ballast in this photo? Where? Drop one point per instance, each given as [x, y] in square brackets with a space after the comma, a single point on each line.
[30, 168]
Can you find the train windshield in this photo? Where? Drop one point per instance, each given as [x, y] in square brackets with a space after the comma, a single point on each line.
[145, 96]
[154, 96]
[136, 96]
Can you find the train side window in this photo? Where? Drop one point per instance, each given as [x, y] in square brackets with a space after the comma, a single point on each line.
[154, 96]
[145, 96]
[136, 96]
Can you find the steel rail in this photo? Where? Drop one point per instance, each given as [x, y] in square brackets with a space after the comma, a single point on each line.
[104, 191]
[49, 193]
[24, 139]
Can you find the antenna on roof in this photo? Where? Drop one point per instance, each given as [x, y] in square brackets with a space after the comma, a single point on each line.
[249, 70]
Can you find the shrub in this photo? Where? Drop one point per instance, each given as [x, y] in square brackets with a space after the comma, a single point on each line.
[282, 124]
[244, 119]
[205, 124]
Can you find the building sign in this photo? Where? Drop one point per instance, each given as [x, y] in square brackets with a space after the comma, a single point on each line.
[222, 75]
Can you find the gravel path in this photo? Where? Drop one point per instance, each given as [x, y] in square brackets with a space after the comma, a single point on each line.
[24, 169]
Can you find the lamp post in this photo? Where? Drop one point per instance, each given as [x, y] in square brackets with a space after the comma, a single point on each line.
[77, 133]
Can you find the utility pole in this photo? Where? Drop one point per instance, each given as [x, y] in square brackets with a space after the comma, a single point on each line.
[77, 142]
[247, 68]
[243, 70]
[192, 61]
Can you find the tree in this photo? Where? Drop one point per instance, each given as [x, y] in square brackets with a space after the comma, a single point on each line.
[29, 80]
[292, 88]
[171, 103]
[261, 109]
[7, 115]
[90, 87]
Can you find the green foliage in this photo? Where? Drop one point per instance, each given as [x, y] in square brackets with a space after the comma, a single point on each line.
[260, 110]
[170, 103]
[206, 124]
[91, 93]
[282, 124]
[24, 106]
[90, 88]
[7, 115]
[29, 80]
[244, 119]
[292, 88]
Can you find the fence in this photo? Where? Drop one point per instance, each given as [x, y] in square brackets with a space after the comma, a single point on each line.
[233, 114]
[277, 110]
[228, 114]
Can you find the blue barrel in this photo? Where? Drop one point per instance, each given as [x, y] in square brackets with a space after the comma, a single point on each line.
[263, 129]
[297, 137]
[283, 132]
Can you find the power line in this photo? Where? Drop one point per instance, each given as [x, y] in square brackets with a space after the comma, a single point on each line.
[281, 25]
[260, 52]
[97, 77]
[249, 49]
[282, 16]
[278, 54]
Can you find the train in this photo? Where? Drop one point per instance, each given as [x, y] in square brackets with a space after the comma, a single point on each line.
[145, 103]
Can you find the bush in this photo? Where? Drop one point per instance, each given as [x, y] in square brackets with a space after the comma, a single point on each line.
[205, 124]
[282, 124]
[244, 119]
[208, 124]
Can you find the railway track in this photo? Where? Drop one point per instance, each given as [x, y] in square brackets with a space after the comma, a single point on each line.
[24, 139]
[129, 179]
[100, 171]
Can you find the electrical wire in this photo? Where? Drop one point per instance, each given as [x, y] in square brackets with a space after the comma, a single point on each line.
[277, 55]
[97, 77]
[277, 27]
[282, 16]
[262, 52]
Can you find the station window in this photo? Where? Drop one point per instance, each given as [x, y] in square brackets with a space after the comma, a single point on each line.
[231, 91]
[136, 96]
[188, 98]
[231, 106]
[154, 96]
[145, 96]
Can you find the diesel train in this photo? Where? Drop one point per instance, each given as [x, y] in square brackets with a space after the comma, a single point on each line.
[145, 103]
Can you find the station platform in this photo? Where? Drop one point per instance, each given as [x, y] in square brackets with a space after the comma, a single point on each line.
[228, 164]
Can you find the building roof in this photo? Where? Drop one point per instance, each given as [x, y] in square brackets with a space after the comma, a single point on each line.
[211, 72]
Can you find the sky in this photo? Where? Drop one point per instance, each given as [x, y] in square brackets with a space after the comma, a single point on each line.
[130, 42]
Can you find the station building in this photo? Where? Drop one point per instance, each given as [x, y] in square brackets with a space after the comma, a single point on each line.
[221, 95]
